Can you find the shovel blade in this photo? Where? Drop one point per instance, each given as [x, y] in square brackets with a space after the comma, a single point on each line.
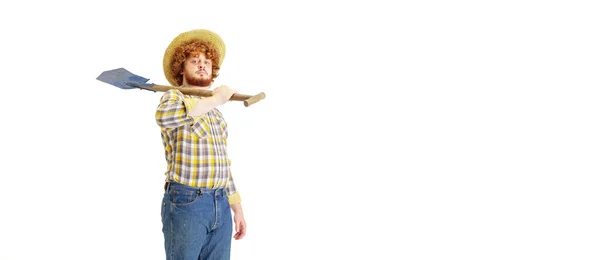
[123, 79]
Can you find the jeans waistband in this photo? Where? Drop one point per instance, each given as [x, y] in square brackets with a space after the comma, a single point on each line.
[172, 185]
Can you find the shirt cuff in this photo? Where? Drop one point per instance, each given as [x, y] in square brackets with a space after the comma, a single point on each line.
[234, 198]
[190, 103]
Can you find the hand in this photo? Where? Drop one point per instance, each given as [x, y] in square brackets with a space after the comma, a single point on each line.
[223, 93]
[240, 226]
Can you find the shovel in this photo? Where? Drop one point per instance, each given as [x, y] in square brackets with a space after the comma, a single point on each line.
[124, 79]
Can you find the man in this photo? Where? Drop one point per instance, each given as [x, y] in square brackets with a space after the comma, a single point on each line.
[199, 191]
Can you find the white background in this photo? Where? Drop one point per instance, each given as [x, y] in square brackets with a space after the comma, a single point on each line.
[418, 130]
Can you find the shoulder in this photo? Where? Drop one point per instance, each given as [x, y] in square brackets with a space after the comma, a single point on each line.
[172, 94]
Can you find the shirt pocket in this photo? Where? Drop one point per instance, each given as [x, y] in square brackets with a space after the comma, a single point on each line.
[212, 127]
[219, 129]
[200, 129]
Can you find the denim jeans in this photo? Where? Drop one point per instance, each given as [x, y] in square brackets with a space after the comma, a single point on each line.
[196, 222]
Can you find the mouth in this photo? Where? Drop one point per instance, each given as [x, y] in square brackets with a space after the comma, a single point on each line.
[201, 72]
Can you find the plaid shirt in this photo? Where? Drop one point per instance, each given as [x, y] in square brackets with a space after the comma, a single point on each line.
[195, 147]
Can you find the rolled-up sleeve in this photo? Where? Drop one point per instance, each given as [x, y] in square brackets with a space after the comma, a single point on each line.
[172, 111]
[232, 194]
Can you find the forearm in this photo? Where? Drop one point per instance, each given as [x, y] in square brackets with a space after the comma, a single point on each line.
[237, 208]
[204, 105]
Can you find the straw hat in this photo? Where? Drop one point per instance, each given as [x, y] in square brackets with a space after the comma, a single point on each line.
[186, 37]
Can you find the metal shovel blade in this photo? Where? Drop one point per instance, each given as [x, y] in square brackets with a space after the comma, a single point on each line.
[123, 79]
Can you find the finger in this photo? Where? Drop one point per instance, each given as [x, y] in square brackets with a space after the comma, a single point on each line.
[243, 229]
[242, 234]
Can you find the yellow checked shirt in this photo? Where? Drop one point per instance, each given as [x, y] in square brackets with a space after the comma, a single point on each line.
[195, 147]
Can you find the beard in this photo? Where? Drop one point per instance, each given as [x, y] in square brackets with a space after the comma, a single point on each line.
[193, 80]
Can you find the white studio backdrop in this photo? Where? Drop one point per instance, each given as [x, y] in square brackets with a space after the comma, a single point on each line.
[406, 130]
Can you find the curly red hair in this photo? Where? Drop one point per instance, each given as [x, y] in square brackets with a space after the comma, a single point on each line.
[193, 48]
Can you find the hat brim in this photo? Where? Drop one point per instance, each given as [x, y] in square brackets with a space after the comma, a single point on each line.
[186, 37]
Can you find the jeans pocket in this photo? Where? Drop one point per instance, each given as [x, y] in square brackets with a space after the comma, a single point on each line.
[183, 197]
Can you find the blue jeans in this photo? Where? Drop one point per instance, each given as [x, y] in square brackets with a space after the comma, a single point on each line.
[196, 222]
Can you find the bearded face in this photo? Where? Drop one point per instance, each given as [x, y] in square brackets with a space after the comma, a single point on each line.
[197, 71]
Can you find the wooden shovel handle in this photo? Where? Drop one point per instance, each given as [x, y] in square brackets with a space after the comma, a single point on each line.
[248, 99]
[254, 99]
